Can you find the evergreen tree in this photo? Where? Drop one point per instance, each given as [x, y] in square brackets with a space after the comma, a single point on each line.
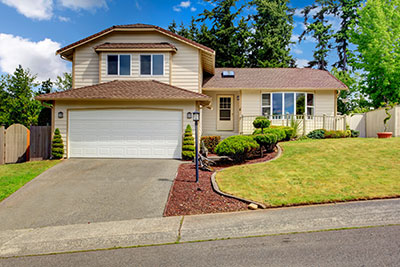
[64, 82]
[188, 152]
[272, 26]
[172, 26]
[57, 146]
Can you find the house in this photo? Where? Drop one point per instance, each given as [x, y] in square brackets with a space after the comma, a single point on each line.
[134, 86]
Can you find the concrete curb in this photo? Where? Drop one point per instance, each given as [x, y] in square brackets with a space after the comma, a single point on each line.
[216, 187]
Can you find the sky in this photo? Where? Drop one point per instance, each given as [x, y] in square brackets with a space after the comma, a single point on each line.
[32, 30]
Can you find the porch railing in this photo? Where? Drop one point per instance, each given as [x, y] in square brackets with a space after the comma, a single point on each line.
[307, 123]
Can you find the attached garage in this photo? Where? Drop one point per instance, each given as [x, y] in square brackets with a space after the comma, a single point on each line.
[125, 133]
[124, 119]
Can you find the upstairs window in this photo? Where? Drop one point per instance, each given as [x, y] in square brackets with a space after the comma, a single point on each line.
[119, 65]
[152, 65]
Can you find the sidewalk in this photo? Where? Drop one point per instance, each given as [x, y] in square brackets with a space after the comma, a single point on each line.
[152, 231]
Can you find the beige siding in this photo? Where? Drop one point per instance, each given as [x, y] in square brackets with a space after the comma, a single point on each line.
[251, 102]
[64, 106]
[209, 122]
[324, 102]
[185, 61]
[135, 68]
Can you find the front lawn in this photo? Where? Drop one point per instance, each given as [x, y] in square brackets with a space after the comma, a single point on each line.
[14, 176]
[319, 171]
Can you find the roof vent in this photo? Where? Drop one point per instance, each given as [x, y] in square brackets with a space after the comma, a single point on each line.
[228, 74]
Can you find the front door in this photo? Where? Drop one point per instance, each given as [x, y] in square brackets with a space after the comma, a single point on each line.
[225, 113]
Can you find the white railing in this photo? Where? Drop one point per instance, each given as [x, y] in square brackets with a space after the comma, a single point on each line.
[307, 123]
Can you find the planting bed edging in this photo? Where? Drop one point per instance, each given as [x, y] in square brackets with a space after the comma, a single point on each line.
[216, 187]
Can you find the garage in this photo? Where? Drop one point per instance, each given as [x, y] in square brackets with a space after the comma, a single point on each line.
[124, 133]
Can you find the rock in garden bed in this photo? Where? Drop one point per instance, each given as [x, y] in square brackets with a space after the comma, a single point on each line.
[189, 198]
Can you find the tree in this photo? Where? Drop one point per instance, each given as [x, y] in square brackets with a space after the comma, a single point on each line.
[272, 25]
[320, 30]
[188, 144]
[377, 53]
[17, 103]
[64, 82]
[172, 26]
[223, 36]
[57, 145]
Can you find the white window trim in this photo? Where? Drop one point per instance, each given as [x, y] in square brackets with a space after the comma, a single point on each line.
[283, 103]
[118, 63]
[151, 65]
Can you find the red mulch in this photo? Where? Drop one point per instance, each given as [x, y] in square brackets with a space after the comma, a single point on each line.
[187, 197]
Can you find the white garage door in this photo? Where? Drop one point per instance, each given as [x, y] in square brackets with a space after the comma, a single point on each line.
[126, 133]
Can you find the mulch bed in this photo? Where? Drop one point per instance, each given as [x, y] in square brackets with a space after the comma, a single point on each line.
[188, 197]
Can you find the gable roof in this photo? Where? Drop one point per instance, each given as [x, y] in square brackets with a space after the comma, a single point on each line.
[135, 26]
[274, 78]
[134, 46]
[126, 90]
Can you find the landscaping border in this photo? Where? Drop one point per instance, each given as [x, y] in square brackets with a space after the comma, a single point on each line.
[216, 187]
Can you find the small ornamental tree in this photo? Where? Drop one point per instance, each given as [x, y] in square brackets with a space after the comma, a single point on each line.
[261, 122]
[188, 144]
[57, 146]
[388, 107]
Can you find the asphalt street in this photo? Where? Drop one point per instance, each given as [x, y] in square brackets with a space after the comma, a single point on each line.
[376, 246]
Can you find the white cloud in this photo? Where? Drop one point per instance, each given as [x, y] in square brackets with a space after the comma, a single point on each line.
[193, 9]
[138, 7]
[297, 51]
[39, 9]
[301, 63]
[63, 19]
[176, 9]
[294, 38]
[39, 57]
[185, 4]
[83, 4]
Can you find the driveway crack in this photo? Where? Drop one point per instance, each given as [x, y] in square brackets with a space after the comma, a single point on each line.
[179, 230]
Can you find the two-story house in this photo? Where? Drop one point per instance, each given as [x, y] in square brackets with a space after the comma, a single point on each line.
[135, 86]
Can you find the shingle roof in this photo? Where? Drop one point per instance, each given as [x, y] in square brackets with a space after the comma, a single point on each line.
[135, 26]
[135, 46]
[274, 78]
[126, 90]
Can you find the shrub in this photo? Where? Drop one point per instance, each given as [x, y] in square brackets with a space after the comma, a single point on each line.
[237, 147]
[348, 133]
[261, 123]
[289, 131]
[335, 134]
[316, 134]
[355, 133]
[211, 142]
[188, 144]
[57, 146]
[268, 141]
[279, 132]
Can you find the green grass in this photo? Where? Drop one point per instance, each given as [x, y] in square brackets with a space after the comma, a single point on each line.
[319, 171]
[14, 176]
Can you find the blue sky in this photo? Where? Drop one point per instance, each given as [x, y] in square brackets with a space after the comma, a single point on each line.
[31, 30]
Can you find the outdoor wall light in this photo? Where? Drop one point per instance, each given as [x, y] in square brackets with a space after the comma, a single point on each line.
[189, 115]
[60, 115]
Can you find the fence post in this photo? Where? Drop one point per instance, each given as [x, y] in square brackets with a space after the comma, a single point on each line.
[324, 121]
[304, 124]
[345, 123]
[335, 123]
[2, 145]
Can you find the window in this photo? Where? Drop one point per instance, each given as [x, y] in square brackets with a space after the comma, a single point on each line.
[225, 108]
[119, 64]
[152, 65]
[278, 104]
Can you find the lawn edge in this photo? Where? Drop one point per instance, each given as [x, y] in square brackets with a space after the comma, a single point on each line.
[218, 190]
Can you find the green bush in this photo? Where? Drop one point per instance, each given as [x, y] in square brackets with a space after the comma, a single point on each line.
[211, 142]
[57, 146]
[279, 132]
[289, 132]
[316, 134]
[188, 144]
[355, 133]
[237, 147]
[335, 134]
[261, 123]
[268, 141]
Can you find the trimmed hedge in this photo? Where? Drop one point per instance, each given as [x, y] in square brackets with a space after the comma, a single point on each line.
[261, 123]
[188, 152]
[57, 146]
[279, 132]
[289, 131]
[268, 141]
[211, 142]
[237, 147]
[322, 134]
[335, 134]
[317, 134]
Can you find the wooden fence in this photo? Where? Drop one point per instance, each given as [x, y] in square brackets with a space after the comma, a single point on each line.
[307, 123]
[19, 144]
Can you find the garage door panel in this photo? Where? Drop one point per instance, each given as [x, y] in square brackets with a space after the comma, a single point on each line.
[125, 133]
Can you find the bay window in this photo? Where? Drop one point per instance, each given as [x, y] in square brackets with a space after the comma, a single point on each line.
[282, 103]
[119, 65]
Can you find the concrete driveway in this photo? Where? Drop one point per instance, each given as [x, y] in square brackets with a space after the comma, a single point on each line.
[91, 190]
